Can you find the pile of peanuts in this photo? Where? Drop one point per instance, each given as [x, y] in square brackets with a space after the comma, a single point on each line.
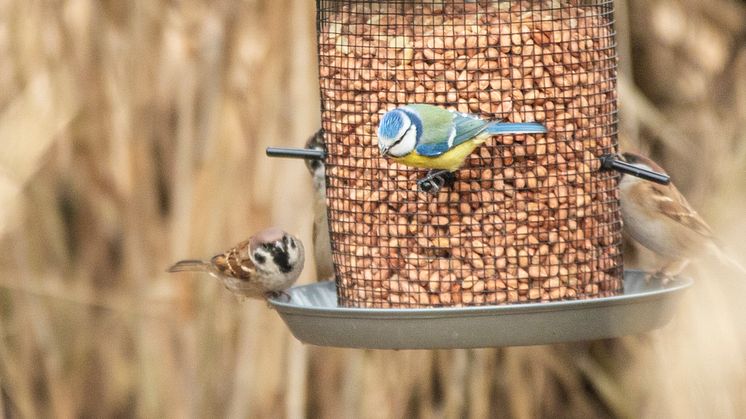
[530, 217]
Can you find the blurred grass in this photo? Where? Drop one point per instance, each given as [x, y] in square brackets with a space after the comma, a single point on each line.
[133, 135]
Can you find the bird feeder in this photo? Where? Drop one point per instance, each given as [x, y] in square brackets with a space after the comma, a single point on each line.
[530, 218]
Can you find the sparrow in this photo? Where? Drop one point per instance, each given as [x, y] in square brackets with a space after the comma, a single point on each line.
[660, 218]
[263, 266]
[322, 248]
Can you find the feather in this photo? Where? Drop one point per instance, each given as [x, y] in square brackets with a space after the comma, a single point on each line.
[672, 204]
[467, 127]
[191, 265]
[432, 149]
[236, 262]
[726, 259]
[434, 125]
[516, 128]
[445, 129]
[391, 124]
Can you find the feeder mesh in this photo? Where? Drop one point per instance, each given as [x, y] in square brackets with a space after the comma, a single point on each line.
[530, 217]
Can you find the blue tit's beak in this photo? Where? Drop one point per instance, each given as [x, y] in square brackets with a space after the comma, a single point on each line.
[384, 150]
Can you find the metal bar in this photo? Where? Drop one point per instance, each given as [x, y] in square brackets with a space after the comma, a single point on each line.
[608, 162]
[296, 153]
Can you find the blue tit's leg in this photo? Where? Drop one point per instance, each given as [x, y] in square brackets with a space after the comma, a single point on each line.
[449, 178]
[428, 185]
[434, 181]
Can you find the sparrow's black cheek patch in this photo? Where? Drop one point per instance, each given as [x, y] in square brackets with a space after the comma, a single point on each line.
[282, 261]
[259, 258]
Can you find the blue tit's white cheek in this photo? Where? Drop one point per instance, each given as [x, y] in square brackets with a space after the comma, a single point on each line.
[407, 143]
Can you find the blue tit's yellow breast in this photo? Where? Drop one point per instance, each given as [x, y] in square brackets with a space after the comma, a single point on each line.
[451, 160]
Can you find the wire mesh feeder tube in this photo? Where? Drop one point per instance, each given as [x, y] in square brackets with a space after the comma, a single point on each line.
[530, 217]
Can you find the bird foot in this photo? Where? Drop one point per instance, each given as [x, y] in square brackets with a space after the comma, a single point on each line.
[278, 295]
[435, 180]
[663, 277]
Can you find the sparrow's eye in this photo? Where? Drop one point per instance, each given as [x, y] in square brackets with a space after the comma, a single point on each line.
[259, 258]
[292, 244]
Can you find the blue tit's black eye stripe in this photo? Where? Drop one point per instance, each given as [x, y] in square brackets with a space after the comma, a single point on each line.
[400, 139]
[415, 121]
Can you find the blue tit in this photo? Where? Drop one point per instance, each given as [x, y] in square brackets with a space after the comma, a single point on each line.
[435, 138]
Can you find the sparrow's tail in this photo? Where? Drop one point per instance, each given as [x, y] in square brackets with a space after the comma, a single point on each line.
[516, 128]
[728, 260]
[190, 266]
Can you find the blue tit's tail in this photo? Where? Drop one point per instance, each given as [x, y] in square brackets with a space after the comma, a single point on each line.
[515, 128]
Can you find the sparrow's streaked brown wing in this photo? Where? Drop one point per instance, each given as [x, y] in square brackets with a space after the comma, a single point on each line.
[236, 262]
[672, 204]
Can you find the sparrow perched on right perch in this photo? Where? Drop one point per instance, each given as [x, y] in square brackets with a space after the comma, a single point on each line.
[322, 247]
[659, 218]
[263, 266]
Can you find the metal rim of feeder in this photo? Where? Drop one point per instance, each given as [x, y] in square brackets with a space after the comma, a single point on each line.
[313, 317]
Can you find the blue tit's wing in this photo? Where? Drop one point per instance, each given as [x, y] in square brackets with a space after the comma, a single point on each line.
[467, 127]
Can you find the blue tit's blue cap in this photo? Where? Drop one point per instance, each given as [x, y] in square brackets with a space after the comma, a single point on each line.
[391, 123]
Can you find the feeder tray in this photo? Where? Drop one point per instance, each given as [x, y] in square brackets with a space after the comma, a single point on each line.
[314, 316]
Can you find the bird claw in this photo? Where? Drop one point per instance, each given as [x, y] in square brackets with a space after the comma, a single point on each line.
[430, 185]
[435, 180]
[277, 294]
[661, 276]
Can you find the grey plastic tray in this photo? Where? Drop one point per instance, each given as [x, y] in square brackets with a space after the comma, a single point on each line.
[313, 316]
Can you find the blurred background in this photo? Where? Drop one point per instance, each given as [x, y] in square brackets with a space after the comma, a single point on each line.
[132, 135]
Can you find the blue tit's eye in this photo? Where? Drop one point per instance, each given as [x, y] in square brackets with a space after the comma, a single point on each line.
[259, 258]
[400, 139]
